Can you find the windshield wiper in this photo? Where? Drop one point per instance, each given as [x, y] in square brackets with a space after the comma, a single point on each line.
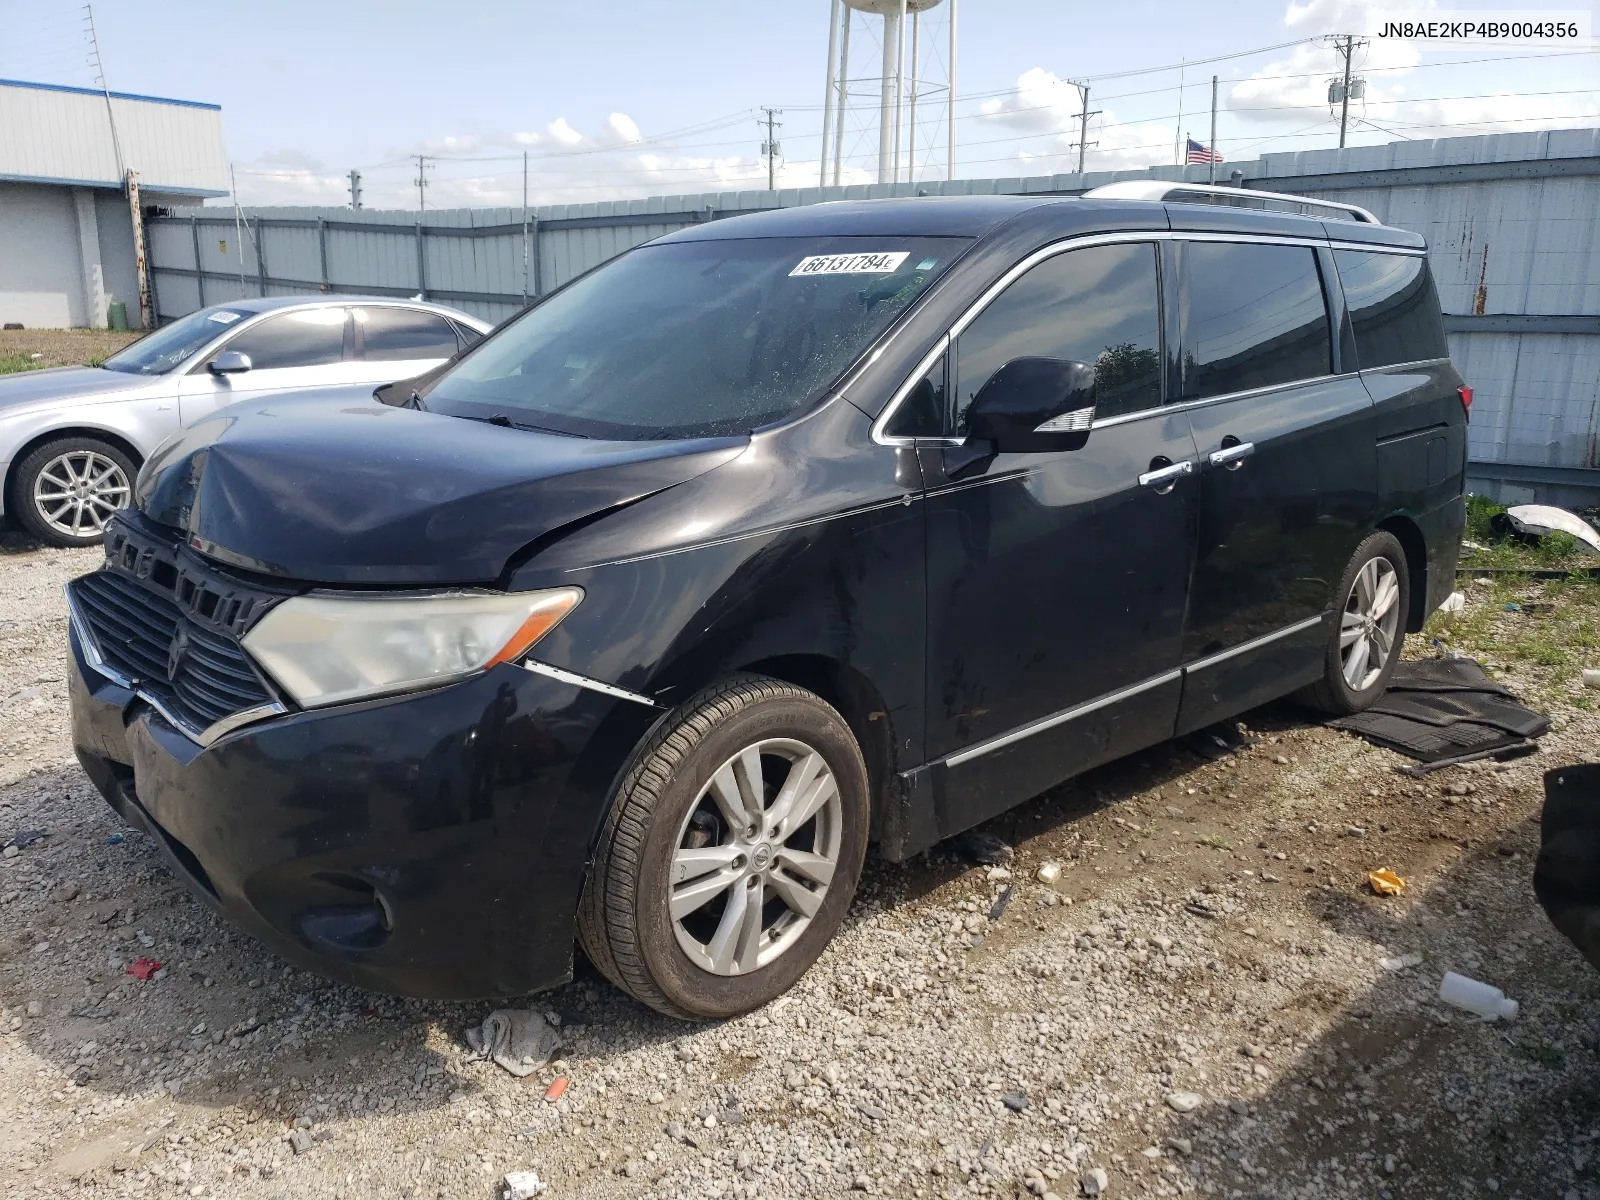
[506, 422]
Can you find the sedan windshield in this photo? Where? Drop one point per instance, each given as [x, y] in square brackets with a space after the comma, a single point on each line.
[694, 339]
[172, 345]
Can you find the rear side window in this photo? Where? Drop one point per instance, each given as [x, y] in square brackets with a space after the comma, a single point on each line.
[1098, 305]
[1254, 316]
[1393, 307]
[401, 334]
[311, 337]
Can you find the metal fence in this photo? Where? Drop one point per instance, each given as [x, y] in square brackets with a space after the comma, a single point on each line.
[1512, 222]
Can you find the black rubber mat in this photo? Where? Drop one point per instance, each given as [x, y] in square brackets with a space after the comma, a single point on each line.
[1440, 709]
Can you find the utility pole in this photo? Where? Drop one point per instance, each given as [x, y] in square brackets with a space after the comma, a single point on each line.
[1211, 167]
[238, 228]
[1346, 44]
[355, 190]
[771, 147]
[1083, 123]
[100, 78]
[524, 226]
[421, 181]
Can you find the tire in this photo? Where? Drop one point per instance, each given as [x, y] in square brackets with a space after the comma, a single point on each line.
[63, 491]
[1379, 559]
[703, 961]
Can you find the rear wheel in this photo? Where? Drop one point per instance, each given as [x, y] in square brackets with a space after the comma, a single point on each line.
[731, 852]
[1374, 596]
[64, 491]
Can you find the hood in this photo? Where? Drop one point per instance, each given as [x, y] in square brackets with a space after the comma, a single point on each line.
[37, 389]
[324, 489]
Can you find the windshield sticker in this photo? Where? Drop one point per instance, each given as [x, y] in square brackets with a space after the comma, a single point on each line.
[224, 318]
[927, 264]
[880, 262]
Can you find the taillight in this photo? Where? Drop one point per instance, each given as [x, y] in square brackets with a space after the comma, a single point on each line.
[1466, 399]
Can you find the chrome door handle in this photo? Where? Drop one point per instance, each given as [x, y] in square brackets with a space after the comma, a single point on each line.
[1233, 456]
[1164, 479]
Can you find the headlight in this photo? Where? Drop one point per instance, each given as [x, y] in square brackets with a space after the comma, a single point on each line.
[327, 649]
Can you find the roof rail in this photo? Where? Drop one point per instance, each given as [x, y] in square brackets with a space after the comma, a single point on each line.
[1165, 189]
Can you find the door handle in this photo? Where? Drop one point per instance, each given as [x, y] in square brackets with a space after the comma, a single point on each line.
[1232, 456]
[1164, 479]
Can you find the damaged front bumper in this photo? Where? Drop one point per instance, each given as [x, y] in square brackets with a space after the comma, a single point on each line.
[430, 845]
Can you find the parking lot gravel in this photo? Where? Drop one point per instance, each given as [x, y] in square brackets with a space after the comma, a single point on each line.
[1208, 999]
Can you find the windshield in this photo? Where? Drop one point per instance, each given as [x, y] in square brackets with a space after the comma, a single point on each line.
[694, 339]
[158, 352]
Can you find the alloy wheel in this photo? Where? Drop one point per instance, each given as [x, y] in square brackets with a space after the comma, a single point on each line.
[1370, 624]
[77, 491]
[755, 856]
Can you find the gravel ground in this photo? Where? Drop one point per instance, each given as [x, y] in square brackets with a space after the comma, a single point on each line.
[60, 347]
[1199, 1005]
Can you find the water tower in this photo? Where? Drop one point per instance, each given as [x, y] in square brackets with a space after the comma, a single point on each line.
[899, 87]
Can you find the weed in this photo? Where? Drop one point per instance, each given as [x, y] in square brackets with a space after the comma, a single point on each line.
[10, 364]
[1546, 1056]
[1480, 509]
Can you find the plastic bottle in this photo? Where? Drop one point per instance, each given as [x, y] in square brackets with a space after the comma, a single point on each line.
[1488, 1002]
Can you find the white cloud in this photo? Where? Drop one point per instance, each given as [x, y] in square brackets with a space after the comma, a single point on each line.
[564, 133]
[566, 165]
[1293, 91]
[622, 128]
[1034, 131]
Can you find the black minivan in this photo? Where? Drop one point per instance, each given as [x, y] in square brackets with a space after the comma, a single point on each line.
[785, 534]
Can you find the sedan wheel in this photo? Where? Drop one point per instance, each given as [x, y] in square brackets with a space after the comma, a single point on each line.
[65, 491]
[730, 852]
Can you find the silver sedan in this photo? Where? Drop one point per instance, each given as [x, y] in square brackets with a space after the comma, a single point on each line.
[72, 439]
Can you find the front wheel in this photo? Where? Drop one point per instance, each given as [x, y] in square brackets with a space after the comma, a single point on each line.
[64, 491]
[731, 852]
[1373, 597]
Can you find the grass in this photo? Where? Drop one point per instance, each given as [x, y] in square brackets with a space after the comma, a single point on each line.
[1554, 550]
[10, 364]
[1561, 635]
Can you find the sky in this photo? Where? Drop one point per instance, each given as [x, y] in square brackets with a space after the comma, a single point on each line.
[637, 98]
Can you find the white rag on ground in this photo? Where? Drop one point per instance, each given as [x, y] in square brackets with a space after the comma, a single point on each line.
[519, 1039]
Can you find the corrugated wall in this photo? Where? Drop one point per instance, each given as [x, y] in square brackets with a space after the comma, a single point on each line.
[60, 135]
[1513, 222]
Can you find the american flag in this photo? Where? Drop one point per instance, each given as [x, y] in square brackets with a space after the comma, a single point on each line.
[1201, 154]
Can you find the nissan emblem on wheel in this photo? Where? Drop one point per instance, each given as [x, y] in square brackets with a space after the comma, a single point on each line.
[775, 542]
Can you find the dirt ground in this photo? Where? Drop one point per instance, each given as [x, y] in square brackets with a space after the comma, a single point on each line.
[1211, 933]
[58, 347]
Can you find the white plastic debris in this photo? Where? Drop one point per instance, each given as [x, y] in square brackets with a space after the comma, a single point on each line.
[1454, 602]
[1400, 961]
[1485, 1000]
[1540, 519]
[521, 1185]
[1048, 872]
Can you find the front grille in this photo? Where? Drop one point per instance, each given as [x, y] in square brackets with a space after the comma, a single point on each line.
[134, 630]
[156, 604]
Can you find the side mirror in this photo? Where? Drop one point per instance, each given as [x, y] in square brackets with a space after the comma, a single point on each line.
[229, 362]
[1035, 405]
